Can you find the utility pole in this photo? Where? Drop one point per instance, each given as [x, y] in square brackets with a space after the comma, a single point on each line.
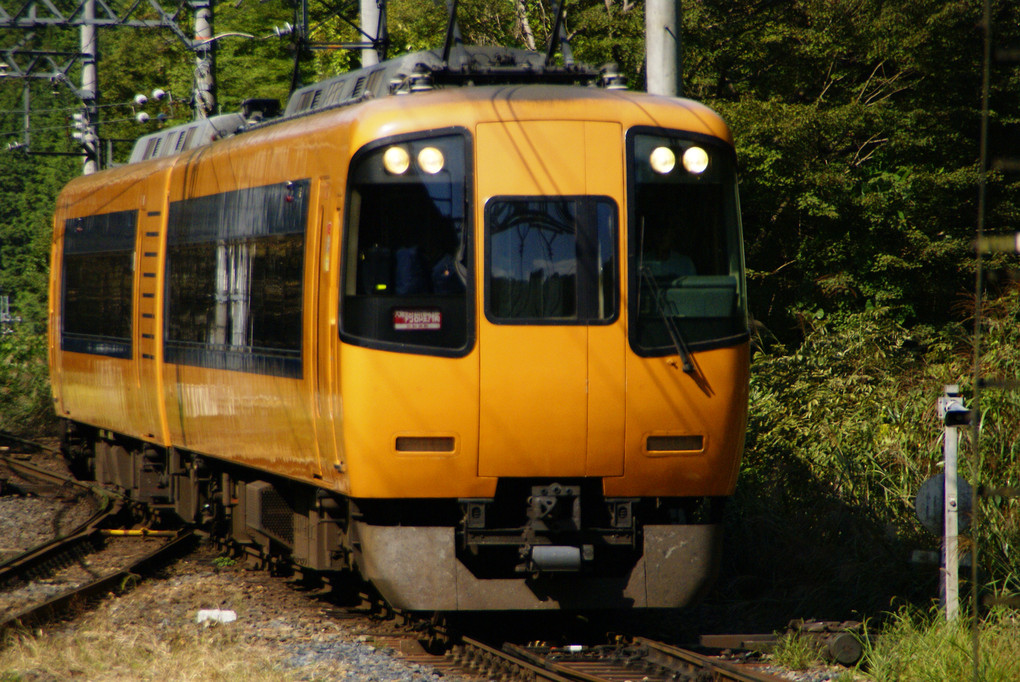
[662, 47]
[89, 90]
[23, 62]
[370, 31]
[26, 103]
[205, 60]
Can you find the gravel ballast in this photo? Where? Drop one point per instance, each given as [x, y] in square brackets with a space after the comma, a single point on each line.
[289, 633]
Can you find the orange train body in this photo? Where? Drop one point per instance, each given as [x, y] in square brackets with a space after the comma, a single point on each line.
[474, 370]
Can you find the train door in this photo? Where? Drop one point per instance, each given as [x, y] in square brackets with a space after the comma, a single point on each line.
[551, 337]
[324, 330]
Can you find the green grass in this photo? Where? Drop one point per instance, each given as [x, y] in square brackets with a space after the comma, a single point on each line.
[917, 646]
[794, 651]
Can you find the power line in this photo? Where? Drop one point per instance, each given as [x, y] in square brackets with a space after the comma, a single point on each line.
[68, 109]
[68, 127]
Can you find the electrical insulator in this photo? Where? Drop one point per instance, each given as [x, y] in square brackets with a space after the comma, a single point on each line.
[80, 123]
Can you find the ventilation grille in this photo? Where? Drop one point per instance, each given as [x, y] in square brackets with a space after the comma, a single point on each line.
[266, 511]
[675, 443]
[310, 99]
[425, 444]
[359, 88]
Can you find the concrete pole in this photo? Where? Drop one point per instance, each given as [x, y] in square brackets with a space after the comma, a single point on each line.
[89, 89]
[370, 24]
[662, 47]
[205, 60]
[26, 95]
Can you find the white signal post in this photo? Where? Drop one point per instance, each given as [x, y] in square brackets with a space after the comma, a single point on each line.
[954, 415]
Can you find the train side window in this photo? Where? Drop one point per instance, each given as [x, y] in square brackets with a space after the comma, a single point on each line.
[551, 260]
[234, 282]
[407, 243]
[98, 274]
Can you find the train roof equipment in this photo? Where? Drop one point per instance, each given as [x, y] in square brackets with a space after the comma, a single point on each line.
[410, 74]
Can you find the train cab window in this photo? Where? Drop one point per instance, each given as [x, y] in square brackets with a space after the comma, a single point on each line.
[407, 272]
[98, 258]
[686, 273]
[550, 260]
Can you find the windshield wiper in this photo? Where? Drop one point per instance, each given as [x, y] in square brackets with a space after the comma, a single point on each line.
[670, 321]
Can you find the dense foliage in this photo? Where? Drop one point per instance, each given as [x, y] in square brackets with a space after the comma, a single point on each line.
[857, 126]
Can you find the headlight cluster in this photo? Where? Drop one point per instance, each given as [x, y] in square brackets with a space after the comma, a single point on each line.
[397, 160]
[663, 160]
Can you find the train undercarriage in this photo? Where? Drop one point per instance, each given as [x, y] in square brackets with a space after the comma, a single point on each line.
[537, 544]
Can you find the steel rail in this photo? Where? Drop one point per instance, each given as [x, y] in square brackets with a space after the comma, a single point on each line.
[547, 663]
[719, 670]
[491, 657]
[113, 582]
[657, 661]
[55, 550]
[7, 436]
[53, 478]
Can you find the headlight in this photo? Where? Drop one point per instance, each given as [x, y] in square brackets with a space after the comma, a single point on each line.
[431, 160]
[396, 160]
[663, 160]
[695, 160]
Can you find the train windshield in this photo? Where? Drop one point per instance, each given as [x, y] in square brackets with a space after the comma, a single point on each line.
[685, 246]
[550, 260]
[407, 272]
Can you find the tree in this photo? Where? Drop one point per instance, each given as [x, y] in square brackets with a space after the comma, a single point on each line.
[856, 126]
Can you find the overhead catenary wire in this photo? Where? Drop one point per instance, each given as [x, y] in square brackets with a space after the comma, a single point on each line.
[67, 127]
[68, 111]
[71, 109]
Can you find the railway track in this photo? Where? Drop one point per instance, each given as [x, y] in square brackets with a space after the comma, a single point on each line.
[98, 556]
[627, 660]
[137, 552]
[27, 479]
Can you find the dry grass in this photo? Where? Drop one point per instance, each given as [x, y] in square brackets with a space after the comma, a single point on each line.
[98, 650]
[151, 634]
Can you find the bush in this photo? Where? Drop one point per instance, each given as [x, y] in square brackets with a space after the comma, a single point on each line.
[26, 405]
[842, 432]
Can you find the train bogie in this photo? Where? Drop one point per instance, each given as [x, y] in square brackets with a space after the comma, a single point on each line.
[485, 345]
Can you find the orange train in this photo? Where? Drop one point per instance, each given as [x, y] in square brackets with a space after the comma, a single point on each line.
[474, 328]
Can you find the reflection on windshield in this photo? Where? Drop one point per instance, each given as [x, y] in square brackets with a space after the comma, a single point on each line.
[533, 261]
[551, 259]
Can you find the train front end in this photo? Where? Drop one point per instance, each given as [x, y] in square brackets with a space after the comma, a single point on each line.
[544, 359]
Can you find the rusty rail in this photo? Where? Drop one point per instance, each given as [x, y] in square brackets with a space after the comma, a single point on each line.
[86, 538]
[113, 582]
[639, 658]
[62, 548]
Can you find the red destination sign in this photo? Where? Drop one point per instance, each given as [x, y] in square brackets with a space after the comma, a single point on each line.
[417, 320]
